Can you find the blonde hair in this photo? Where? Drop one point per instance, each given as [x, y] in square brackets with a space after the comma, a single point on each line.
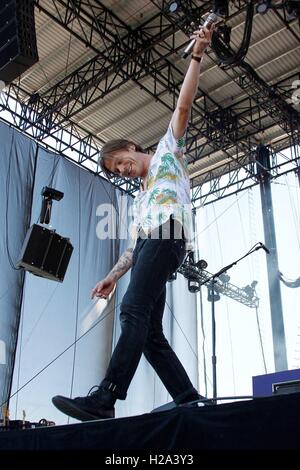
[110, 148]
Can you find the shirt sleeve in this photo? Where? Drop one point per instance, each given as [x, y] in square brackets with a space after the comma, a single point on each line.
[176, 146]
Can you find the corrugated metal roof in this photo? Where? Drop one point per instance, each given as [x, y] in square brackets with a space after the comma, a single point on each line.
[130, 111]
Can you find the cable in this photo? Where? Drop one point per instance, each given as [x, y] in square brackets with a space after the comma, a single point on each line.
[226, 302]
[222, 213]
[20, 348]
[12, 264]
[78, 286]
[191, 348]
[293, 210]
[225, 53]
[40, 316]
[201, 315]
[260, 340]
[244, 236]
[289, 283]
[68, 52]
[61, 354]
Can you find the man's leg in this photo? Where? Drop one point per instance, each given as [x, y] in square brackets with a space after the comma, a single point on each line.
[164, 360]
[149, 277]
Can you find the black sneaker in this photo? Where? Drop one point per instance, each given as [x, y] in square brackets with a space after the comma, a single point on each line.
[197, 400]
[96, 405]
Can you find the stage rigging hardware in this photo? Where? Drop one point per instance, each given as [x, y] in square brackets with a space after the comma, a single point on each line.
[45, 253]
[197, 276]
[7, 424]
[18, 47]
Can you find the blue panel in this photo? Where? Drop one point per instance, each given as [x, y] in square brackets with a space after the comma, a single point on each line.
[262, 385]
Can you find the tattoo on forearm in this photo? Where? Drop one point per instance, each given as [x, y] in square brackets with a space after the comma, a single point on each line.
[122, 265]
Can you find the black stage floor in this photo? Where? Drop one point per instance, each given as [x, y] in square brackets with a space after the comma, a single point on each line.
[261, 424]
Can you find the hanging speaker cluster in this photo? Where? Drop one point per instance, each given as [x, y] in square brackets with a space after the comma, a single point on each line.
[18, 48]
[45, 253]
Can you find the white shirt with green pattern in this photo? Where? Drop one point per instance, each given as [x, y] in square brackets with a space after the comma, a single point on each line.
[167, 189]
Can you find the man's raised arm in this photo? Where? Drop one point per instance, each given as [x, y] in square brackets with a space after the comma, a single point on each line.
[180, 118]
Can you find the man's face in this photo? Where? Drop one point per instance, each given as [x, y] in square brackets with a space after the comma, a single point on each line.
[126, 163]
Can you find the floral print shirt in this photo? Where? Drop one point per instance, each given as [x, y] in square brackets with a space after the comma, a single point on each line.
[167, 189]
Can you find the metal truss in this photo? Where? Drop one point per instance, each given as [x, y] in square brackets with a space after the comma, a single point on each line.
[125, 55]
[228, 179]
[257, 89]
[229, 290]
[133, 57]
[71, 141]
[222, 128]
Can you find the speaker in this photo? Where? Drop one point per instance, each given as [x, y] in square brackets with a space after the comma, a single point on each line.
[263, 159]
[18, 48]
[277, 383]
[45, 253]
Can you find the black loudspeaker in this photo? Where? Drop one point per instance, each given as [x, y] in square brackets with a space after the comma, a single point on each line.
[45, 253]
[18, 48]
[263, 159]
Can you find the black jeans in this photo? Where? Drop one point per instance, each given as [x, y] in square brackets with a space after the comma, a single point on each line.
[141, 321]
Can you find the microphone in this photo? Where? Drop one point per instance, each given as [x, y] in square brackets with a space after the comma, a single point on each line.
[264, 248]
[212, 18]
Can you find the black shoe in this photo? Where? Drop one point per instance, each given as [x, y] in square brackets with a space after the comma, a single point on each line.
[205, 401]
[196, 400]
[96, 405]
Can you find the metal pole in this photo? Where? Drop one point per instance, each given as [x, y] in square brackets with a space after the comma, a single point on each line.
[279, 345]
[213, 330]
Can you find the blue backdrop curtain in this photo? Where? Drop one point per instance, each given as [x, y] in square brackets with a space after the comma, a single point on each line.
[17, 163]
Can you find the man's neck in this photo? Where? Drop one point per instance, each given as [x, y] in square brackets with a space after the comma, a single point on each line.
[145, 172]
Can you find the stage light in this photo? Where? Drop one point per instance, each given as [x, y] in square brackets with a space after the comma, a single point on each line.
[193, 285]
[254, 284]
[220, 8]
[292, 9]
[263, 7]
[249, 291]
[224, 278]
[216, 296]
[201, 264]
[173, 7]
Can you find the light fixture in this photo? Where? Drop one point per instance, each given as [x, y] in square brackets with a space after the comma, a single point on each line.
[221, 8]
[292, 9]
[263, 7]
[173, 7]
[224, 277]
[210, 296]
[193, 285]
[201, 264]
[249, 291]
[254, 284]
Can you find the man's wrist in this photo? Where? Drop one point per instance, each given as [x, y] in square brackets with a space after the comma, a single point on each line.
[196, 57]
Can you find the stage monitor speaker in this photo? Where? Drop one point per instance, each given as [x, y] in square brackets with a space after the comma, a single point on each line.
[277, 383]
[18, 47]
[45, 253]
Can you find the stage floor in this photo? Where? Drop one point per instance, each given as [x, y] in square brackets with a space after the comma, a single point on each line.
[258, 424]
